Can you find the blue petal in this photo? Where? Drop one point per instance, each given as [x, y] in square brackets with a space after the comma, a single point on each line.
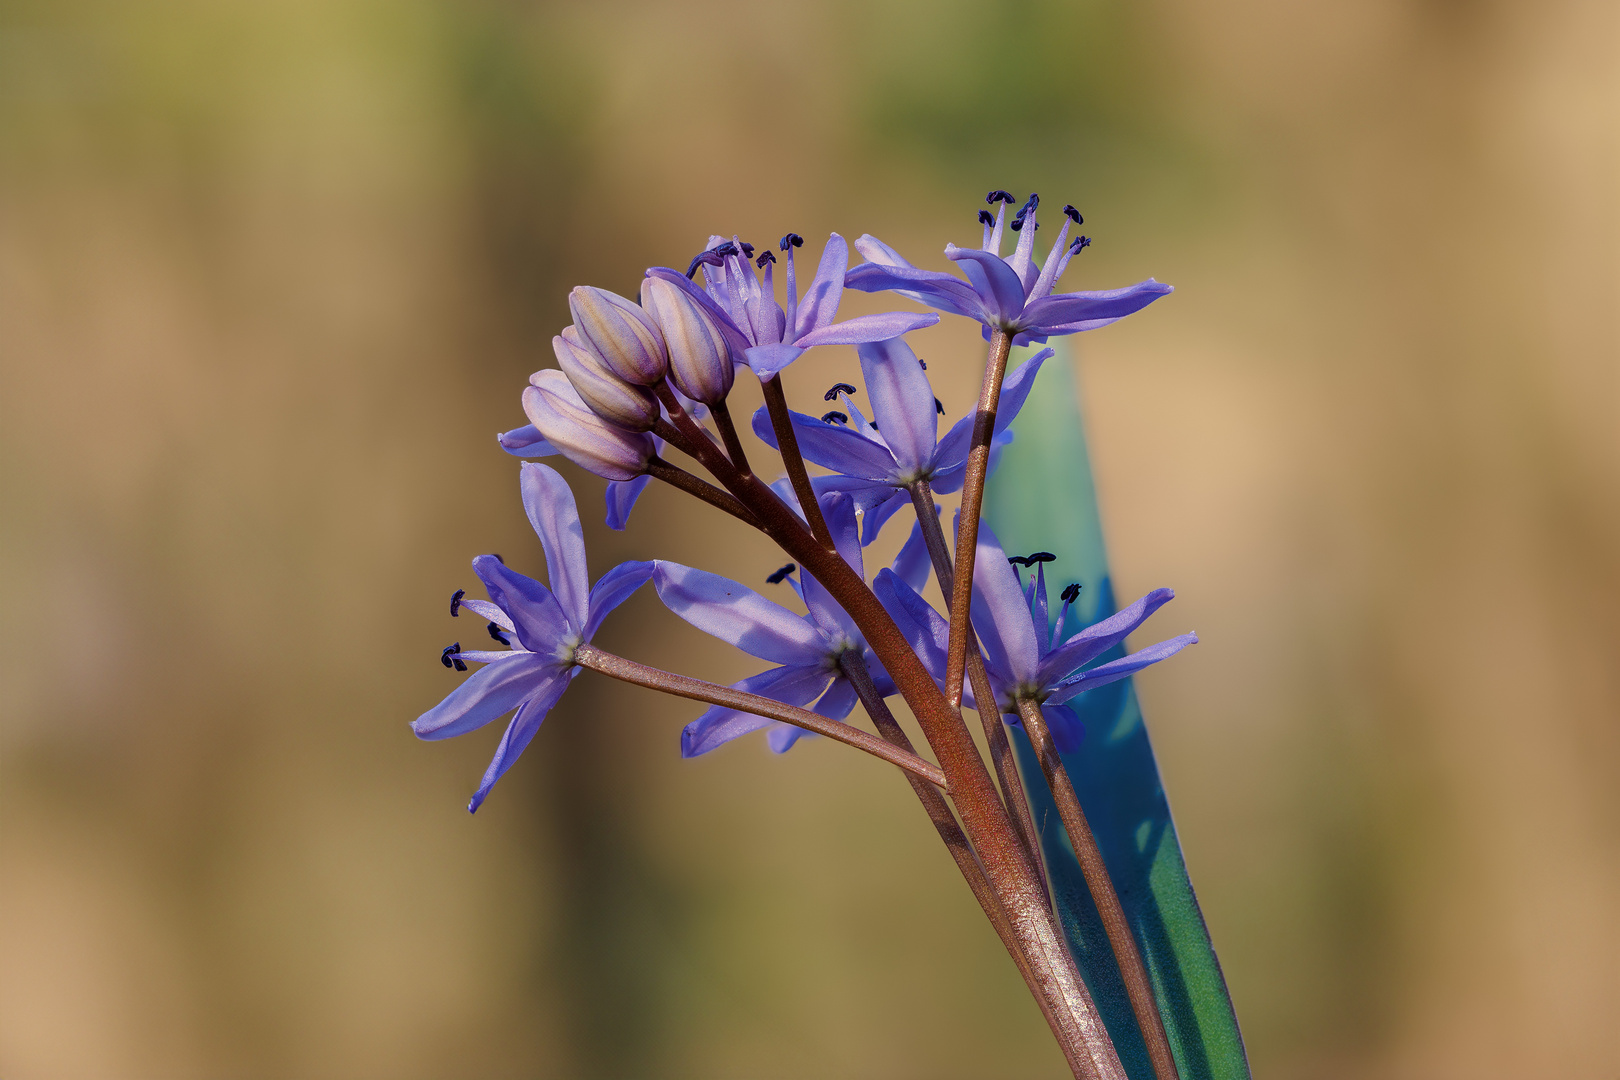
[1103, 674]
[487, 694]
[1070, 312]
[838, 509]
[932, 287]
[793, 685]
[998, 285]
[952, 454]
[877, 514]
[863, 328]
[613, 589]
[735, 338]
[766, 360]
[902, 402]
[537, 618]
[518, 735]
[621, 499]
[1066, 728]
[832, 446]
[526, 441]
[737, 614]
[913, 563]
[876, 251]
[551, 509]
[999, 613]
[821, 296]
[1096, 639]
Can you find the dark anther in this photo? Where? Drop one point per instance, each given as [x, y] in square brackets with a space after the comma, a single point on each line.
[712, 257]
[496, 633]
[1074, 215]
[837, 388]
[923, 362]
[792, 239]
[1040, 557]
[1079, 245]
[455, 602]
[764, 257]
[835, 417]
[1030, 203]
[748, 251]
[496, 556]
[938, 407]
[985, 218]
[1000, 196]
[1018, 560]
[1070, 593]
[449, 659]
[776, 577]
[725, 250]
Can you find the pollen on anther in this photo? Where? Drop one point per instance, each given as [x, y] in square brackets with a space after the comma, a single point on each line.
[455, 602]
[764, 258]
[447, 657]
[1018, 560]
[999, 195]
[792, 239]
[834, 417]
[938, 407]
[1079, 245]
[1070, 593]
[923, 362]
[985, 218]
[496, 633]
[1040, 557]
[776, 577]
[747, 250]
[838, 388]
[1073, 214]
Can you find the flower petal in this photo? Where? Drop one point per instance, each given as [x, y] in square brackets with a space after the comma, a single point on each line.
[734, 335]
[998, 286]
[932, 287]
[518, 735]
[902, 402]
[1114, 670]
[832, 446]
[613, 589]
[913, 563]
[735, 613]
[953, 448]
[526, 441]
[876, 251]
[838, 510]
[999, 613]
[863, 328]
[621, 499]
[826, 289]
[1082, 648]
[487, 694]
[550, 505]
[537, 618]
[767, 360]
[876, 514]
[1069, 312]
[792, 685]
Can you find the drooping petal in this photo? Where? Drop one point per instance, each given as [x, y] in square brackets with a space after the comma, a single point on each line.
[612, 589]
[997, 285]
[549, 503]
[925, 630]
[1096, 639]
[537, 619]
[486, 695]
[946, 292]
[999, 613]
[518, 735]
[914, 562]
[621, 499]
[1088, 310]
[876, 514]
[793, 685]
[832, 446]
[838, 510]
[526, 441]
[902, 403]
[737, 614]
[1066, 728]
[1114, 670]
[862, 328]
[821, 296]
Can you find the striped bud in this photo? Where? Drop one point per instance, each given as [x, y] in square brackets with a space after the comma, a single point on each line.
[620, 333]
[700, 362]
[608, 396]
[556, 409]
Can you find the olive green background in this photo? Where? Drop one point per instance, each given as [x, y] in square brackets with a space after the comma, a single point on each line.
[272, 276]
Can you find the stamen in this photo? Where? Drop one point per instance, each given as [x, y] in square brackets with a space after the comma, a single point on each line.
[764, 257]
[985, 218]
[1070, 593]
[712, 257]
[455, 602]
[923, 362]
[747, 250]
[1000, 196]
[776, 577]
[1073, 214]
[838, 388]
[1079, 245]
[791, 239]
[497, 557]
[1030, 204]
[835, 417]
[497, 633]
[1040, 557]
[940, 409]
[449, 658]
[1018, 560]
[725, 250]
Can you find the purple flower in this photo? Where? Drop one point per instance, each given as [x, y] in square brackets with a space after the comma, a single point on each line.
[875, 461]
[540, 628]
[1026, 655]
[760, 332]
[1012, 294]
[806, 647]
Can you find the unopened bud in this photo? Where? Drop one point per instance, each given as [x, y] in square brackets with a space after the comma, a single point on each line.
[700, 361]
[608, 396]
[619, 332]
[555, 407]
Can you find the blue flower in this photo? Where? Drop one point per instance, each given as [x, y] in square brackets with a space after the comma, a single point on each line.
[806, 647]
[1026, 655]
[875, 461]
[541, 628]
[1012, 294]
[761, 333]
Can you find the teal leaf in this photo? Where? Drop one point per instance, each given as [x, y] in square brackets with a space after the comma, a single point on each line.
[1042, 497]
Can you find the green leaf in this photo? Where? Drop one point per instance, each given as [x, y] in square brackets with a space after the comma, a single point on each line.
[1042, 497]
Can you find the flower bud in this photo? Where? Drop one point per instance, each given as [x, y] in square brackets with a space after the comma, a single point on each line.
[556, 409]
[620, 333]
[608, 396]
[700, 362]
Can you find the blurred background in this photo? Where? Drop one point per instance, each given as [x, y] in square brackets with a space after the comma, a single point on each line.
[273, 276]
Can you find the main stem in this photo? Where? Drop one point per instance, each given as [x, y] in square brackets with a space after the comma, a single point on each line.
[1001, 755]
[967, 528]
[984, 819]
[589, 656]
[1137, 985]
[950, 832]
[787, 441]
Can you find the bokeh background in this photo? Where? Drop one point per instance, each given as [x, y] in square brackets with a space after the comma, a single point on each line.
[273, 275]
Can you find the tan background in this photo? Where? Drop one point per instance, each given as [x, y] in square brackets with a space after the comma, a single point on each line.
[273, 275]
